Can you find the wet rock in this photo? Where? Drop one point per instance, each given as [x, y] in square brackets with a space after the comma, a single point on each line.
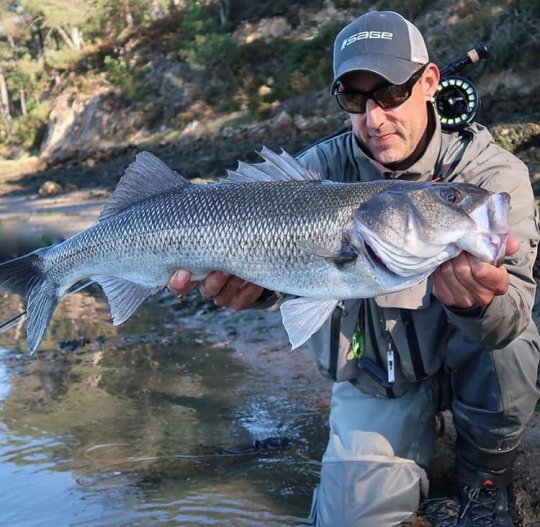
[266, 28]
[282, 122]
[50, 188]
[69, 346]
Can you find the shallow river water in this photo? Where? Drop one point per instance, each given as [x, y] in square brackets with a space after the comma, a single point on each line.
[146, 425]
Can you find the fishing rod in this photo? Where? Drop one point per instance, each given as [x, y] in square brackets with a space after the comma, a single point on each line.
[8, 324]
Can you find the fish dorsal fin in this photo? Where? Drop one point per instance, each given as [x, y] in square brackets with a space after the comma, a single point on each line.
[275, 167]
[146, 176]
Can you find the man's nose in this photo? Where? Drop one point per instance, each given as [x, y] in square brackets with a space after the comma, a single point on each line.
[375, 115]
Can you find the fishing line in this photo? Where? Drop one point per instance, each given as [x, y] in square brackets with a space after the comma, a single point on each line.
[79, 286]
[108, 467]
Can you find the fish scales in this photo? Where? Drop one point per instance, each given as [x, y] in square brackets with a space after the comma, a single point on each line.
[252, 228]
[274, 224]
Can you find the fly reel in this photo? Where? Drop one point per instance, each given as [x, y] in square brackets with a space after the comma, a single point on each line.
[456, 99]
[457, 102]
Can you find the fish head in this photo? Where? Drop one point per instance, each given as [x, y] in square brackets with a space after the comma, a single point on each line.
[410, 228]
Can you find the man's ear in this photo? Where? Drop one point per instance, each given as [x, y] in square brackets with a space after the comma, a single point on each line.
[430, 80]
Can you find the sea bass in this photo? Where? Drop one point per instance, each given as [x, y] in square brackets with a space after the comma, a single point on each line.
[273, 223]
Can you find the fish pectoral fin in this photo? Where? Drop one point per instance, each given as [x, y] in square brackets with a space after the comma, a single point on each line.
[302, 317]
[347, 253]
[124, 296]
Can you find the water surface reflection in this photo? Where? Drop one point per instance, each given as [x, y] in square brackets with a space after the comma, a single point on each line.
[136, 427]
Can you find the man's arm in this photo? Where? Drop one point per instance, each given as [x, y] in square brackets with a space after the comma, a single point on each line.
[497, 318]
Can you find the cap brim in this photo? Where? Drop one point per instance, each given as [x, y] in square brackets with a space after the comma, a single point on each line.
[392, 69]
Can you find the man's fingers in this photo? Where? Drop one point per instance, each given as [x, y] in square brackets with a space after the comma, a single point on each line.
[493, 279]
[180, 282]
[245, 296]
[512, 245]
[458, 282]
[466, 281]
[237, 293]
[214, 283]
[223, 288]
[229, 290]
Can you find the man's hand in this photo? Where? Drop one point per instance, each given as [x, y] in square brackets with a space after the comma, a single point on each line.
[226, 290]
[465, 281]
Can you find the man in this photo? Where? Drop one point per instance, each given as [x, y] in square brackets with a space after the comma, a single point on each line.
[461, 340]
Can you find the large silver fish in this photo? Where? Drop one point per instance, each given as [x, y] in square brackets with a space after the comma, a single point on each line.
[273, 223]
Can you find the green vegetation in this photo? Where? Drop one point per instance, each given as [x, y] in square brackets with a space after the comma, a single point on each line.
[127, 77]
[514, 31]
[48, 47]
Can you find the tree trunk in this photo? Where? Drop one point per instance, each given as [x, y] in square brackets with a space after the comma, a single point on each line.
[4, 98]
[128, 15]
[38, 35]
[5, 114]
[67, 39]
[224, 11]
[76, 38]
[10, 39]
[22, 96]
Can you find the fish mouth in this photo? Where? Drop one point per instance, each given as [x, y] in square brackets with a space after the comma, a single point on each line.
[380, 267]
[376, 262]
[500, 252]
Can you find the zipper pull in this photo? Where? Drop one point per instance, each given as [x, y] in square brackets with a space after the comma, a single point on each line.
[390, 365]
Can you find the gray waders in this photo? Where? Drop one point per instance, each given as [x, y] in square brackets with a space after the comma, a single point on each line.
[373, 470]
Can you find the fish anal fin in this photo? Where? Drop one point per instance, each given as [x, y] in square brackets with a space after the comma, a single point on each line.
[124, 296]
[147, 176]
[302, 317]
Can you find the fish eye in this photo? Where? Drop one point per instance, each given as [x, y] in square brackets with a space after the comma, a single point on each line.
[450, 195]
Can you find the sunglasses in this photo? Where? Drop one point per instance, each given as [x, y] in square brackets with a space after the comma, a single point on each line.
[386, 96]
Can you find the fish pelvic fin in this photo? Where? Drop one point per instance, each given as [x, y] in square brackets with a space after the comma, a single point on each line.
[302, 317]
[124, 296]
[24, 276]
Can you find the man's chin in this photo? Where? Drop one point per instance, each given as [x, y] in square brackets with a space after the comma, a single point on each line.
[388, 159]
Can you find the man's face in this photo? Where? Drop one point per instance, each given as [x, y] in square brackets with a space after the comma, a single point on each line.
[395, 137]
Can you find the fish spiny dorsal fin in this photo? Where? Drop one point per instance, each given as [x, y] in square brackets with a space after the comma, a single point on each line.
[275, 167]
[146, 176]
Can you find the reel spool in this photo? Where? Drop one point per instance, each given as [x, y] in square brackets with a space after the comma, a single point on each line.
[457, 102]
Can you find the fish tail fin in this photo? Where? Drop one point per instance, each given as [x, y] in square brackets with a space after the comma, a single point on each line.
[25, 276]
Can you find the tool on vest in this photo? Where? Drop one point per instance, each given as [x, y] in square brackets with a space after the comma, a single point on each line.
[456, 99]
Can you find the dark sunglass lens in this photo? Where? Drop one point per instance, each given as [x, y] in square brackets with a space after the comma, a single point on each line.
[392, 95]
[353, 102]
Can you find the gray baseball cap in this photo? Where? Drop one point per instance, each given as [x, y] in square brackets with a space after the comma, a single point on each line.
[381, 42]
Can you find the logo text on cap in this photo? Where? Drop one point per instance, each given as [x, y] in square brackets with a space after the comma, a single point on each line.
[367, 34]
